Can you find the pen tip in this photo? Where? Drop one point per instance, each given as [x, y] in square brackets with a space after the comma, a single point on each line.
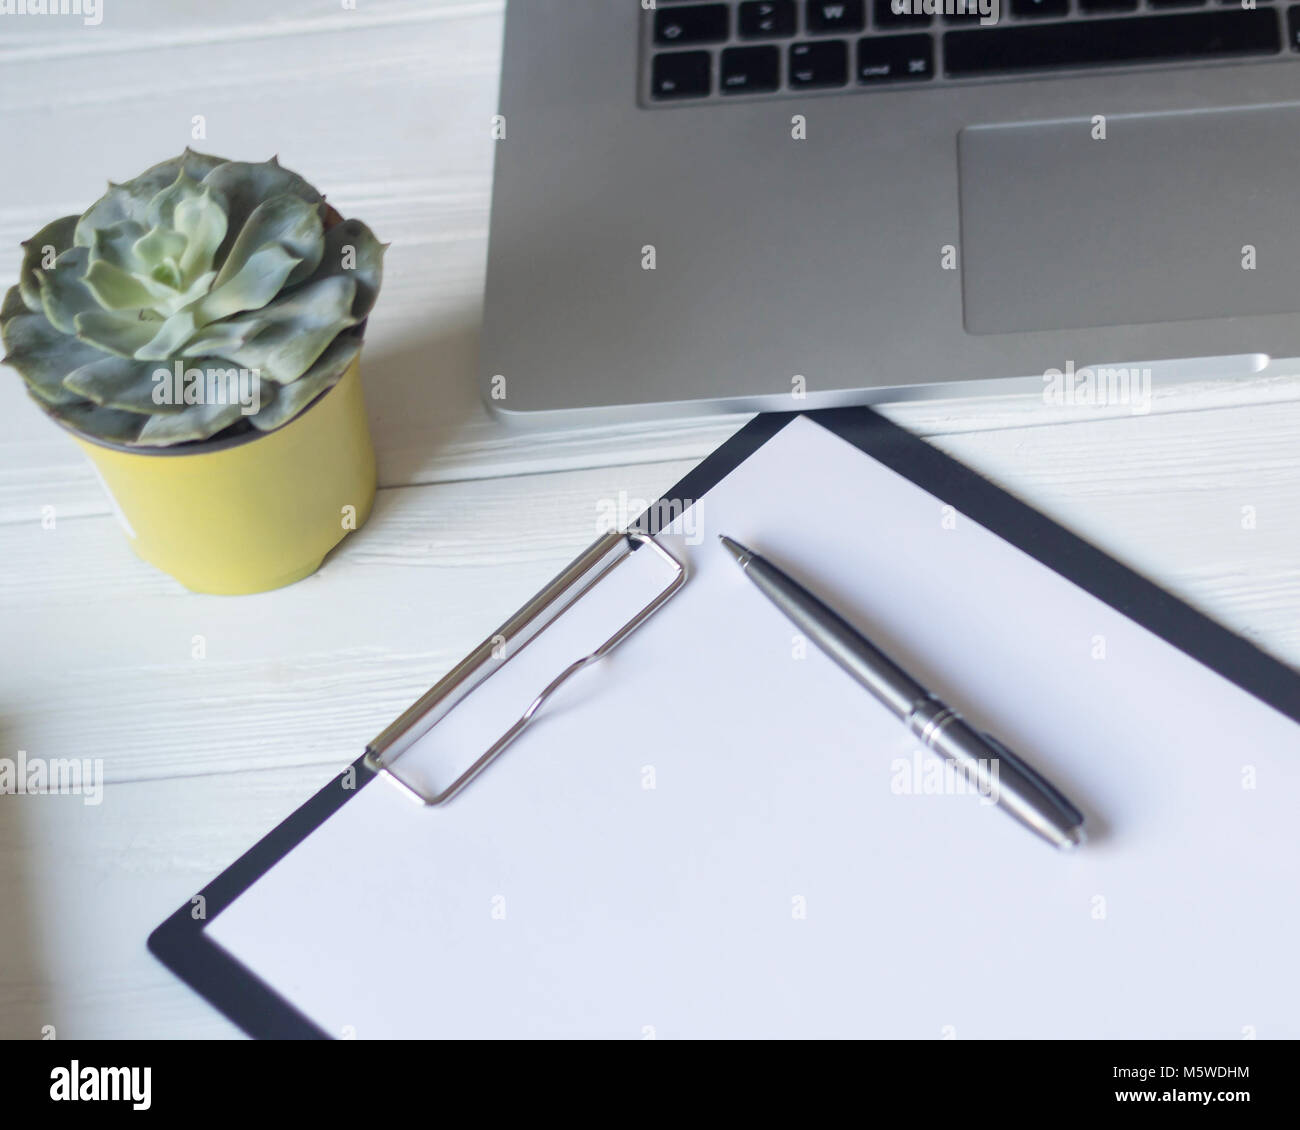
[1075, 837]
[738, 551]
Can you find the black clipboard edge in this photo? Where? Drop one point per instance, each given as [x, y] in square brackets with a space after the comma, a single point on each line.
[1144, 602]
[182, 945]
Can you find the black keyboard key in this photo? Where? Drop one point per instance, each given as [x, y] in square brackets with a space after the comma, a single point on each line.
[1090, 6]
[825, 63]
[681, 74]
[766, 19]
[1138, 39]
[1177, 3]
[748, 70]
[836, 15]
[1293, 26]
[701, 23]
[1043, 9]
[909, 14]
[889, 58]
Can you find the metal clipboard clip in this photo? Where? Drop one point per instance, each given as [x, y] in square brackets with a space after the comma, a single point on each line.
[585, 572]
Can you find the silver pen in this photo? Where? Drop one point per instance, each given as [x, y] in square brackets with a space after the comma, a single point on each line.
[981, 757]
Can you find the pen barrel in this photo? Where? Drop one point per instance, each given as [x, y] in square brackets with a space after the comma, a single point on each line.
[839, 639]
[997, 773]
[985, 762]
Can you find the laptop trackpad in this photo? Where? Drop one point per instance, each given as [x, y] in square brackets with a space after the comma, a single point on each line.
[1168, 217]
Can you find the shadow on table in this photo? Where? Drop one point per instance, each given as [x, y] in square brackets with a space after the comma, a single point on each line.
[421, 391]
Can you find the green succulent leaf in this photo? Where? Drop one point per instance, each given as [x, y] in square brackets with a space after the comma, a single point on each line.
[103, 423]
[192, 423]
[115, 289]
[158, 246]
[240, 186]
[161, 210]
[130, 201]
[283, 340]
[43, 356]
[129, 249]
[203, 225]
[64, 293]
[116, 245]
[284, 220]
[351, 250]
[119, 382]
[55, 237]
[288, 400]
[185, 299]
[121, 333]
[13, 305]
[169, 338]
[259, 279]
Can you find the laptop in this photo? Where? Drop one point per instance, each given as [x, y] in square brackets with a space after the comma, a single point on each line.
[706, 207]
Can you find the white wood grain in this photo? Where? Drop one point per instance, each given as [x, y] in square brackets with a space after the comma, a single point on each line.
[306, 675]
[302, 676]
[82, 887]
[386, 107]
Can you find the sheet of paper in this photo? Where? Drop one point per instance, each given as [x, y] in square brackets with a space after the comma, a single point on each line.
[718, 834]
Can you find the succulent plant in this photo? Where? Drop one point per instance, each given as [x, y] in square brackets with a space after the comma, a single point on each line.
[207, 263]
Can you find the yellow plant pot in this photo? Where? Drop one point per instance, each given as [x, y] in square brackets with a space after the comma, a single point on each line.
[251, 513]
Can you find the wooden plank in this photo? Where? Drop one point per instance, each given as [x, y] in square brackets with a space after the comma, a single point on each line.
[105, 664]
[308, 674]
[83, 886]
[233, 25]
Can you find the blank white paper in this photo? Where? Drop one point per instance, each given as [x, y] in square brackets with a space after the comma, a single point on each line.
[716, 833]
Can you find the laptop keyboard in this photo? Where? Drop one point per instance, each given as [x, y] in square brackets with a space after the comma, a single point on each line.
[748, 48]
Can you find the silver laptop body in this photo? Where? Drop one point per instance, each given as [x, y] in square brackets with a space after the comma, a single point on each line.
[710, 207]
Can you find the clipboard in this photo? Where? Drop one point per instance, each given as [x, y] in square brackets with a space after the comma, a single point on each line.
[182, 944]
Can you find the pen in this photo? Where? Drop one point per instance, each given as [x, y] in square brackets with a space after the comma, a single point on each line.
[1015, 786]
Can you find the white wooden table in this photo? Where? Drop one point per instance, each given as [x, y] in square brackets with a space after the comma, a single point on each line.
[386, 107]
